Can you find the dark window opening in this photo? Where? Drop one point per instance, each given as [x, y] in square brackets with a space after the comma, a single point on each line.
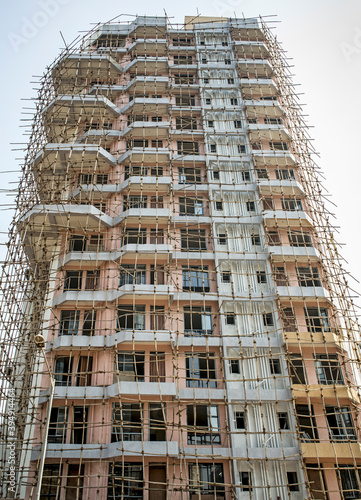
[234, 364]
[261, 277]
[157, 367]
[201, 370]
[203, 424]
[300, 239]
[306, 423]
[50, 485]
[292, 480]
[340, 423]
[127, 422]
[308, 276]
[191, 206]
[291, 205]
[132, 275]
[273, 238]
[125, 481]
[131, 317]
[289, 320]
[185, 101]
[193, 240]
[73, 280]
[198, 320]
[328, 369]
[245, 480]
[349, 477]
[89, 322]
[297, 369]
[69, 323]
[195, 279]
[283, 420]
[63, 370]
[187, 148]
[184, 79]
[268, 319]
[186, 123]
[57, 425]
[285, 174]
[157, 422]
[80, 425]
[84, 371]
[205, 480]
[189, 175]
[275, 366]
[130, 366]
[240, 420]
[317, 319]
[135, 237]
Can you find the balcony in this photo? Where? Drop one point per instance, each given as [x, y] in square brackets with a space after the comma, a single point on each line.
[113, 391]
[312, 338]
[134, 183]
[189, 68]
[150, 65]
[89, 297]
[109, 91]
[251, 50]
[331, 451]
[148, 47]
[265, 157]
[99, 135]
[243, 394]
[186, 110]
[68, 108]
[283, 218]
[146, 291]
[155, 156]
[188, 160]
[49, 218]
[265, 132]
[280, 253]
[252, 87]
[93, 192]
[263, 108]
[326, 393]
[149, 27]
[145, 130]
[280, 187]
[156, 84]
[302, 292]
[61, 158]
[79, 342]
[186, 135]
[62, 116]
[146, 215]
[136, 130]
[106, 451]
[147, 106]
[260, 67]
[178, 48]
[164, 253]
[247, 29]
[83, 65]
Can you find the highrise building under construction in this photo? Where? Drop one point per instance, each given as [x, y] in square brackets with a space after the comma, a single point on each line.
[176, 322]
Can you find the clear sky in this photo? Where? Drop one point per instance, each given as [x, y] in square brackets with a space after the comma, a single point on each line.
[322, 39]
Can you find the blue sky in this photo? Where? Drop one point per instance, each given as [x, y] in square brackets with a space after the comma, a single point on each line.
[322, 39]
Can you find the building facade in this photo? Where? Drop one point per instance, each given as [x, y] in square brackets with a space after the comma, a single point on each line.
[177, 258]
